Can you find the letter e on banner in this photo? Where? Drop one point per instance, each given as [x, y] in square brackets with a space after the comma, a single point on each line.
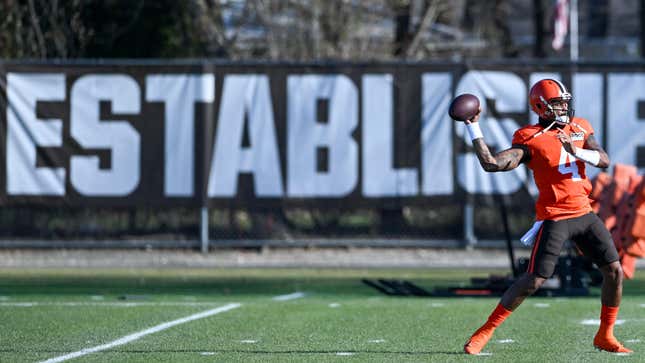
[26, 132]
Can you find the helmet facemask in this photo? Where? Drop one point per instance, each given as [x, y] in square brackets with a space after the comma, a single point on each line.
[558, 110]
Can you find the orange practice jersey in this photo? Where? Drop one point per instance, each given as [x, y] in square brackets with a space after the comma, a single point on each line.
[559, 176]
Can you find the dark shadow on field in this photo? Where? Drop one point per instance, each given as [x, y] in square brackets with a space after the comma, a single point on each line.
[235, 282]
[224, 282]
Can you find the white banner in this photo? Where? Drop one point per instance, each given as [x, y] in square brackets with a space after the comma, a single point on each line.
[340, 136]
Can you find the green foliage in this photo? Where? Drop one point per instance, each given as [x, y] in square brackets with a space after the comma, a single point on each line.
[99, 29]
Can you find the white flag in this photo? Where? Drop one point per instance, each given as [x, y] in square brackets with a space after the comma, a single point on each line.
[561, 23]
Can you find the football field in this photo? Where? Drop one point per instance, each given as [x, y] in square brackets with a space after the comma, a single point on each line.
[287, 315]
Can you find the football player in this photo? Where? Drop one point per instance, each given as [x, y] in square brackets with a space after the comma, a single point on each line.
[556, 149]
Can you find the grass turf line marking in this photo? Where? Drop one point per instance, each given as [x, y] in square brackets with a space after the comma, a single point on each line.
[295, 295]
[334, 305]
[107, 303]
[20, 304]
[132, 337]
[503, 341]
[597, 322]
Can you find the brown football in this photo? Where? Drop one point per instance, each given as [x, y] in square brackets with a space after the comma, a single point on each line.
[463, 107]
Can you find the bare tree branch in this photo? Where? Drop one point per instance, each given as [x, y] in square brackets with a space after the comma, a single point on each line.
[37, 30]
[429, 18]
[62, 46]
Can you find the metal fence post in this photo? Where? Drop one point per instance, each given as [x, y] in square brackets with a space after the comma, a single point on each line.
[469, 222]
[203, 223]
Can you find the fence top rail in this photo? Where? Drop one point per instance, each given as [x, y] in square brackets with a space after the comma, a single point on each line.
[475, 63]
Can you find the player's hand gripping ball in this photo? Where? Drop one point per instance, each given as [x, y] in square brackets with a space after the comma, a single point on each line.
[464, 107]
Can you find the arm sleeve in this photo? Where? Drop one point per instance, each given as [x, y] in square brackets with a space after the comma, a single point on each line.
[518, 138]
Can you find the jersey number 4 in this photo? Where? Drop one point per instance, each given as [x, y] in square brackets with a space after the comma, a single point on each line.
[568, 165]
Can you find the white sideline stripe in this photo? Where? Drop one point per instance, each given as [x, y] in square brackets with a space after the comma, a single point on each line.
[132, 337]
[295, 295]
[22, 304]
[120, 304]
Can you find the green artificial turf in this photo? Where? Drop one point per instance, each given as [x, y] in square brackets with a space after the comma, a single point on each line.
[49, 313]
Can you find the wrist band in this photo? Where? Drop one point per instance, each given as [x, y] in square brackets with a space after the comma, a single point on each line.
[474, 130]
[590, 156]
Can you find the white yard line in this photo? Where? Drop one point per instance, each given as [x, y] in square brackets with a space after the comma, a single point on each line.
[376, 341]
[132, 337]
[597, 321]
[295, 295]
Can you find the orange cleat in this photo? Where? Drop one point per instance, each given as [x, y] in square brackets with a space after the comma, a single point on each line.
[478, 340]
[609, 345]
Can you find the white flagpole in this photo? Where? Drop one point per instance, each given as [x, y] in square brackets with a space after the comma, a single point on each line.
[573, 21]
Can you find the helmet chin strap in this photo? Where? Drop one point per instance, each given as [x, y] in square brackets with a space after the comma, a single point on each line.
[544, 130]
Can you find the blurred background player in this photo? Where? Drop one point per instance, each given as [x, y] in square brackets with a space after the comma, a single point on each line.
[556, 150]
